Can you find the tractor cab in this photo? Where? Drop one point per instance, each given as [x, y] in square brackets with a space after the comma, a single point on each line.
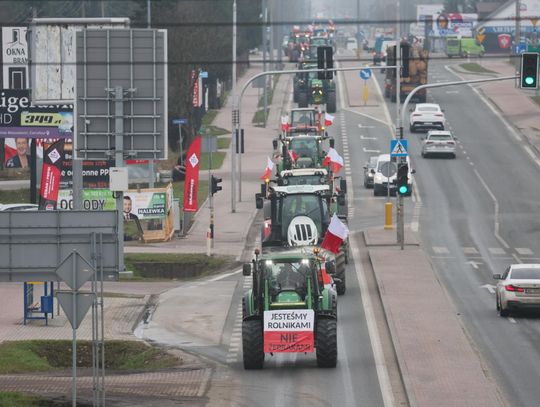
[305, 151]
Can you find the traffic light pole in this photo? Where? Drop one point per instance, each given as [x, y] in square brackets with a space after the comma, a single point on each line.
[210, 233]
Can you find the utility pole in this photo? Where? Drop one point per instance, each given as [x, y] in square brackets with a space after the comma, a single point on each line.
[517, 35]
[399, 129]
[235, 115]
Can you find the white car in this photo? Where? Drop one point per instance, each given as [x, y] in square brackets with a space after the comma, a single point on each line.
[427, 116]
[18, 207]
[439, 142]
[518, 288]
[386, 175]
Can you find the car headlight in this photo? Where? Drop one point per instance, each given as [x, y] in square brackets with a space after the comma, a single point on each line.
[378, 177]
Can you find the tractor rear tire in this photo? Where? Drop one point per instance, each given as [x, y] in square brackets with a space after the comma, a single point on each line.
[326, 342]
[302, 99]
[252, 344]
[331, 102]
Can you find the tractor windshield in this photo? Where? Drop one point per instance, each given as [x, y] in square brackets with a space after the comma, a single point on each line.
[310, 205]
[288, 275]
[303, 117]
[306, 147]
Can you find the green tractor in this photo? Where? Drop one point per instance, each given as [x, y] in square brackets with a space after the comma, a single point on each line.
[308, 89]
[299, 215]
[301, 151]
[289, 308]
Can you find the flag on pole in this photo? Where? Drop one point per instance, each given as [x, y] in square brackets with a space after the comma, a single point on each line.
[293, 156]
[284, 124]
[333, 160]
[328, 119]
[268, 171]
[191, 183]
[335, 235]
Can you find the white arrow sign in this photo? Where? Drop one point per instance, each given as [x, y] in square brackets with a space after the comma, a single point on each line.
[371, 151]
[474, 264]
[367, 138]
[365, 127]
[489, 287]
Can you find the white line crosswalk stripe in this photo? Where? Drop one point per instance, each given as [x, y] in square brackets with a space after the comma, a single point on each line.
[470, 250]
[524, 251]
[496, 250]
[440, 250]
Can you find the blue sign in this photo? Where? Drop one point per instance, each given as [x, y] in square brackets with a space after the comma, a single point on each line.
[365, 74]
[521, 48]
[203, 74]
[179, 121]
[398, 148]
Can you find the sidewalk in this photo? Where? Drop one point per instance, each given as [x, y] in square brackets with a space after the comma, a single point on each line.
[231, 229]
[514, 104]
[439, 367]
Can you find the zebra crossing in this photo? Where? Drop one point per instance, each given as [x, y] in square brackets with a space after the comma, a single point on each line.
[525, 254]
[236, 335]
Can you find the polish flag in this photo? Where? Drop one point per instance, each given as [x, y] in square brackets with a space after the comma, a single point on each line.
[284, 123]
[328, 119]
[268, 171]
[333, 160]
[293, 156]
[335, 235]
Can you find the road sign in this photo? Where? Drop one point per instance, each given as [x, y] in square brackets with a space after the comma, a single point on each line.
[365, 74]
[83, 271]
[388, 169]
[203, 74]
[179, 121]
[83, 301]
[398, 148]
[521, 48]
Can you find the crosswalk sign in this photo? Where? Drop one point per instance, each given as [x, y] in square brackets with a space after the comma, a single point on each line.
[398, 148]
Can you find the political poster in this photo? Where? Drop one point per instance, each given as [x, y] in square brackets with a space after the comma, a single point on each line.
[93, 200]
[289, 331]
[148, 204]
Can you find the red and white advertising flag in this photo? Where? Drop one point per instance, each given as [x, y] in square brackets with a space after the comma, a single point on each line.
[191, 183]
[333, 160]
[50, 175]
[284, 124]
[335, 235]
[328, 119]
[268, 170]
[289, 330]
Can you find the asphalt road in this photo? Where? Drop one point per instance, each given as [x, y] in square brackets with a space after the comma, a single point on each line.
[478, 215]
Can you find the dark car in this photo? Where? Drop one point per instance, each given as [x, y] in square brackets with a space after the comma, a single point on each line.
[369, 171]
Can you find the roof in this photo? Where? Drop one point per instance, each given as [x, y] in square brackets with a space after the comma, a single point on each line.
[302, 189]
[428, 105]
[282, 253]
[18, 207]
[297, 172]
[439, 132]
[525, 266]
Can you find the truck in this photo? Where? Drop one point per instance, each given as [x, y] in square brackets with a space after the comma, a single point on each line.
[418, 74]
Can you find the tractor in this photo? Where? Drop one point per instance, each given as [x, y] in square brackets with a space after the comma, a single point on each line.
[299, 215]
[289, 308]
[311, 90]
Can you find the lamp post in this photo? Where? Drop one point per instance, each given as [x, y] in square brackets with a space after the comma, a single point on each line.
[235, 113]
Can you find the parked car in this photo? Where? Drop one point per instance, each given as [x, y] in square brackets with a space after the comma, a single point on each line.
[517, 288]
[426, 116]
[18, 207]
[439, 142]
[369, 171]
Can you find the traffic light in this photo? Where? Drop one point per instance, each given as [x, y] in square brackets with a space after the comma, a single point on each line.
[325, 61]
[405, 52]
[214, 187]
[529, 70]
[403, 179]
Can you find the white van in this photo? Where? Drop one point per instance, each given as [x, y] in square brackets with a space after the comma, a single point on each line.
[386, 174]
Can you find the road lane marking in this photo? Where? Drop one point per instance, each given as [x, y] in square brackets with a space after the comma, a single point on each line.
[512, 320]
[496, 250]
[367, 138]
[473, 264]
[524, 251]
[370, 151]
[470, 250]
[224, 276]
[440, 250]
[489, 287]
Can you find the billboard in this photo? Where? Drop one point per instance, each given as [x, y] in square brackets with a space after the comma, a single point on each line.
[453, 24]
[14, 58]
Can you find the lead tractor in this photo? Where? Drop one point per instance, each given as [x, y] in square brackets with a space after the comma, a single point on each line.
[289, 308]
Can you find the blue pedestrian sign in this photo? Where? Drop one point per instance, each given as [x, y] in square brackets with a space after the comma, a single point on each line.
[520, 48]
[179, 121]
[398, 148]
[365, 74]
[203, 74]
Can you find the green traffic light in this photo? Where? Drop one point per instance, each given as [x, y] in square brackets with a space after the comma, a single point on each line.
[403, 189]
[529, 80]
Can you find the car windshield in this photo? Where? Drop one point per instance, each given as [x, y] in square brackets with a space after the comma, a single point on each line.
[525, 274]
[372, 163]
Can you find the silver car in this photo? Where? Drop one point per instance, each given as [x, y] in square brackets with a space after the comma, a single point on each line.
[518, 288]
[439, 142]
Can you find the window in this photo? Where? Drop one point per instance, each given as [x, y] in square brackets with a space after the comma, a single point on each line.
[525, 274]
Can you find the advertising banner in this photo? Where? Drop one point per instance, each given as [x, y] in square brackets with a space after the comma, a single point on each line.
[20, 119]
[50, 175]
[453, 24]
[147, 205]
[289, 331]
[191, 183]
[93, 200]
[14, 57]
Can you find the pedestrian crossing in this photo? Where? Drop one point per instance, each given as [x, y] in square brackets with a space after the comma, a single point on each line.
[522, 253]
[236, 335]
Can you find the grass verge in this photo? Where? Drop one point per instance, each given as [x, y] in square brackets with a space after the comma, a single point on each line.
[174, 265]
[46, 355]
[15, 196]
[217, 161]
[536, 99]
[475, 68]
[223, 143]
[12, 399]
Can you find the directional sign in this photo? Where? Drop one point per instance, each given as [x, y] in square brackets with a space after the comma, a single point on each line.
[398, 148]
[365, 74]
[179, 121]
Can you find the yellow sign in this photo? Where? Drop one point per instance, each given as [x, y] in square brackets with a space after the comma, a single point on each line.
[534, 20]
[41, 119]
[480, 37]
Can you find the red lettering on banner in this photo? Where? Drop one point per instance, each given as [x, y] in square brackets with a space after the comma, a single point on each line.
[191, 182]
[293, 342]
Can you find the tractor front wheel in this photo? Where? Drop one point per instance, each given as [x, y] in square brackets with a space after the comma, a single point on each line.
[252, 344]
[326, 342]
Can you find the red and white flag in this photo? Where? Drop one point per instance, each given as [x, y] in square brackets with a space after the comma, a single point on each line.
[284, 123]
[333, 160]
[293, 156]
[191, 183]
[268, 171]
[328, 119]
[335, 235]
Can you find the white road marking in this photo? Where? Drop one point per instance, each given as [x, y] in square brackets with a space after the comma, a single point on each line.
[370, 151]
[440, 250]
[470, 250]
[365, 127]
[474, 264]
[496, 250]
[450, 92]
[524, 251]
[489, 287]
[512, 320]
[225, 275]
[367, 138]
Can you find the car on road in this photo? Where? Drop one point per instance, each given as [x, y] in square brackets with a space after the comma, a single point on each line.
[18, 207]
[439, 142]
[517, 288]
[386, 176]
[426, 116]
[369, 171]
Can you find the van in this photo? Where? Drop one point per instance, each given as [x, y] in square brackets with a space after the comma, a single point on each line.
[470, 47]
[453, 47]
[386, 175]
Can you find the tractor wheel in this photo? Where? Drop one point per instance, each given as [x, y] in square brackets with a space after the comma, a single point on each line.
[331, 102]
[326, 342]
[252, 344]
[302, 99]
